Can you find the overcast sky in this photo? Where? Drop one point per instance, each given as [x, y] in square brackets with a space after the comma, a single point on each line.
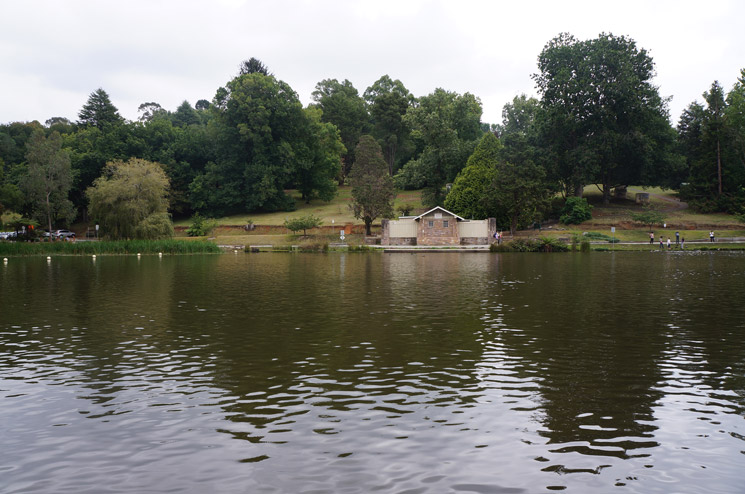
[53, 54]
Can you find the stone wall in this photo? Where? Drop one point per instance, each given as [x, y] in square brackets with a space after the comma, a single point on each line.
[402, 241]
[475, 240]
[438, 233]
[385, 232]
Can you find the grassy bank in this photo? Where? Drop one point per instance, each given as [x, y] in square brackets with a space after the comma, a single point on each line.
[108, 247]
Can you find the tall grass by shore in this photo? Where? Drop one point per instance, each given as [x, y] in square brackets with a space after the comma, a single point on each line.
[108, 247]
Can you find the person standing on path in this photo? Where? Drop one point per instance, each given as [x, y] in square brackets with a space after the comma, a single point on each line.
[711, 236]
[651, 237]
[668, 243]
[683, 243]
[661, 246]
[677, 238]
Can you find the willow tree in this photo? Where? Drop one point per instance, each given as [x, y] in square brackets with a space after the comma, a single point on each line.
[130, 200]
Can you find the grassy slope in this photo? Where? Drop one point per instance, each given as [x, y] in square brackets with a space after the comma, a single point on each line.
[336, 210]
[691, 225]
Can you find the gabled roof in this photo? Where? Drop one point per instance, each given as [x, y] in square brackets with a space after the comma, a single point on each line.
[417, 218]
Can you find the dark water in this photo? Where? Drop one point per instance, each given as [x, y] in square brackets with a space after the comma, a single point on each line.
[358, 373]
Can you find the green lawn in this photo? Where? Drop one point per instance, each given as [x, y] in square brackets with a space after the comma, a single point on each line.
[335, 212]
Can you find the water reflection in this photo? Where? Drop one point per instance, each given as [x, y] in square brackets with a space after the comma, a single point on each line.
[355, 373]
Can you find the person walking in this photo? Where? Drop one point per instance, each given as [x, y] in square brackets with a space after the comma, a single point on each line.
[651, 237]
[661, 246]
[683, 243]
[668, 243]
[677, 238]
[711, 236]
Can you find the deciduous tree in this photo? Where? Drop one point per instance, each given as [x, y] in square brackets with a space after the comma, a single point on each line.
[130, 200]
[303, 223]
[49, 179]
[388, 101]
[372, 187]
[319, 159]
[258, 125]
[446, 126]
[342, 106]
[604, 120]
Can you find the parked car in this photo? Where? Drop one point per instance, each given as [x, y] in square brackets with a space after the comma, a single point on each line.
[63, 234]
[7, 235]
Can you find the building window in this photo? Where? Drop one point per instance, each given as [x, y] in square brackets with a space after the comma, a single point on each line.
[445, 223]
[431, 224]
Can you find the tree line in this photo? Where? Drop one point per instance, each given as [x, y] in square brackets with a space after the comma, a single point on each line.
[598, 119]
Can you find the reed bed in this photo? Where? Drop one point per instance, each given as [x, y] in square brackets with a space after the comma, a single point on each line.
[108, 247]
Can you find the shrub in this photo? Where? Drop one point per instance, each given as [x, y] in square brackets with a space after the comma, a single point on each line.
[601, 236]
[319, 246]
[544, 244]
[648, 217]
[201, 227]
[575, 242]
[575, 211]
[405, 209]
[549, 244]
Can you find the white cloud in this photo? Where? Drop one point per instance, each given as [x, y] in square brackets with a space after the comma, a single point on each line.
[53, 54]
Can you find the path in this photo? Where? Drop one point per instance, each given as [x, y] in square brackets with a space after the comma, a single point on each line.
[677, 204]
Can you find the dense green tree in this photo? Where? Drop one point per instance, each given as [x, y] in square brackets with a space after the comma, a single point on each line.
[11, 196]
[471, 193]
[260, 132]
[13, 139]
[49, 179]
[319, 161]
[519, 115]
[372, 187]
[710, 136]
[447, 127]
[91, 148]
[343, 107]
[388, 101]
[521, 193]
[604, 121]
[735, 118]
[130, 200]
[98, 111]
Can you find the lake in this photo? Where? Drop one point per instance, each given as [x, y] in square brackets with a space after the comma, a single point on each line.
[358, 373]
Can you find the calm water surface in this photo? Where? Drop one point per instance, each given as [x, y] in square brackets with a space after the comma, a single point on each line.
[358, 373]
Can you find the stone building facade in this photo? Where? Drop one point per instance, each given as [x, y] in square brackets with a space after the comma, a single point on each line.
[437, 227]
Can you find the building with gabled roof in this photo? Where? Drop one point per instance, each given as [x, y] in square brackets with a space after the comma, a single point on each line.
[438, 226]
